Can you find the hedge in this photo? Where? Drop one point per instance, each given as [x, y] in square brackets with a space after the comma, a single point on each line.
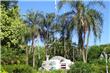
[80, 67]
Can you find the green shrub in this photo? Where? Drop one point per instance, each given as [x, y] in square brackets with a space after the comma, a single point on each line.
[2, 70]
[94, 52]
[19, 69]
[96, 68]
[12, 55]
[39, 56]
[98, 61]
[80, 67]
[100, 68]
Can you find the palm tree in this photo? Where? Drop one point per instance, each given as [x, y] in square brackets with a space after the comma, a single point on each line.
[84, 19]
[24, 38]
[47, 30]
[51, 27]
[35, 22]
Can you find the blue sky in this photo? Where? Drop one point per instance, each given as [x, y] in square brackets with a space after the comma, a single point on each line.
[49, 6]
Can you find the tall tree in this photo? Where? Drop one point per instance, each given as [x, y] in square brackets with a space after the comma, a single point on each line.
[48, 28]
[12, 28]
[34, 21]
[9, 3]
[84, 19]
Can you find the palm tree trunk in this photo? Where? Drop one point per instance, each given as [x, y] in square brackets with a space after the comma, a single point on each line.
[33, 57]
[84, 49]
[84, 56]
[83, 38]
[87, 44]
[26, 56]
[33, 52]
[81, 45]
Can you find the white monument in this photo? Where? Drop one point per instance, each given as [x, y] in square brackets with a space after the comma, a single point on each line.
[56, 63]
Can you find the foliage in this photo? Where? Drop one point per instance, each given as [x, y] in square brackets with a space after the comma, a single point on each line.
[68, 50]
[15, 34]
[39, 55]
[80, 67]
[82, 19]
[12, 28]
[2, 70]
[12, 31]
[26, 69]
[34, 21]
[94, 52]
[9, 4]
[18, 69]
[106, 48]
[12, 56]
[76, 68]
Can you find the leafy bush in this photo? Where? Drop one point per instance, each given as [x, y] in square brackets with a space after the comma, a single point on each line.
[94, 52]
[98, 61]
[12, 55]
[2, 70]
[39, 56]
[97, 68]
[19, 69]
[80, 67]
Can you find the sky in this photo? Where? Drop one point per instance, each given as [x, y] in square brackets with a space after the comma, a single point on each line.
[49, 6]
